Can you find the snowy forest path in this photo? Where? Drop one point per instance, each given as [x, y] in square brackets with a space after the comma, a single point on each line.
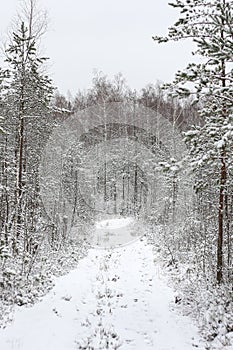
[115, 298]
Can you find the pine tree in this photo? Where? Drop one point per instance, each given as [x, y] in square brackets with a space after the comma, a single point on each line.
[209, 24]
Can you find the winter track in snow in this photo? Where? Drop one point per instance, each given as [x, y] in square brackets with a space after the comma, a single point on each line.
[114, 299]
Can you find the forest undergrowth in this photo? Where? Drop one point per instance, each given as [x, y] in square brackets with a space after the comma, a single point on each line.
[196, 293]
[18, 288]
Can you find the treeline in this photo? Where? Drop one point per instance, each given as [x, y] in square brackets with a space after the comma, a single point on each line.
[124, 184]
[181, 113]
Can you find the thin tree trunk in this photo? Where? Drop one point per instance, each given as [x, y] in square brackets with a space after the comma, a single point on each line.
[222, 180]
[227, 214]
[221, 218]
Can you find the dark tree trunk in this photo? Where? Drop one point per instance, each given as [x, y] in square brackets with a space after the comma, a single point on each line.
[221, 219]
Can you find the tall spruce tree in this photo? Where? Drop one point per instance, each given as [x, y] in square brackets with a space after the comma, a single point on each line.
[209, 24]
[29, 93]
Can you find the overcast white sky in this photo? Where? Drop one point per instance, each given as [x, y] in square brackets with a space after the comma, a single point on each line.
[110, 36]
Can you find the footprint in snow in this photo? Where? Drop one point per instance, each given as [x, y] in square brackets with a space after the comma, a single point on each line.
[119, 295]
[66, 297]
[56, 312]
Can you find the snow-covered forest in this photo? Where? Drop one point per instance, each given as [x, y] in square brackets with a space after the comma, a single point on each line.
[156, 164]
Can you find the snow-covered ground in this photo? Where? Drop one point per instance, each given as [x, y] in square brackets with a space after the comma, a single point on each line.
[111, 233]
[115, 298]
